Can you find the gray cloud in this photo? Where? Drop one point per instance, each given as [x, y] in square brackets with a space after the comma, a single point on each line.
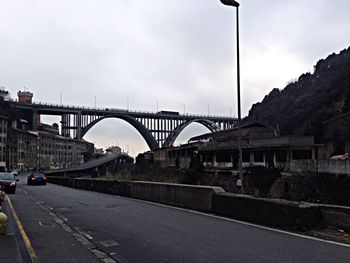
[174, 52]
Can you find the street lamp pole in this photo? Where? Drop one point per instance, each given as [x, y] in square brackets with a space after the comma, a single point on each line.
[236, 4]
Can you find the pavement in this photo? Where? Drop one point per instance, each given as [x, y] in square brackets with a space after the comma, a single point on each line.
[69, 225]
[36, 235]
[11, 242]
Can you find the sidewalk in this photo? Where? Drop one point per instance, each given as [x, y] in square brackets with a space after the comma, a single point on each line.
[10, 244]
[48, 237]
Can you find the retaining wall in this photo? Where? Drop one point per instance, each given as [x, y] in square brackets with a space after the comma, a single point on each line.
[271, 212]
[336, 216]
[65, 181]
[103, 186]
[187, 196]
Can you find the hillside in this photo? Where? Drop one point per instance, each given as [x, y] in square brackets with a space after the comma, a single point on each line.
[302, 106]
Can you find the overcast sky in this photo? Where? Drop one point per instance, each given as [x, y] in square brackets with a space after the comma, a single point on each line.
[180, 54]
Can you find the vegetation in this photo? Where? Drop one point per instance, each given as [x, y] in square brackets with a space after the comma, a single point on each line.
[193, 173]
[153, 174]
[302, 106]
[261, 180]
[329, 189]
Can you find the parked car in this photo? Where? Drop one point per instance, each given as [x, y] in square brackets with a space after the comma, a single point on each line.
[8, 182]
[36, 178]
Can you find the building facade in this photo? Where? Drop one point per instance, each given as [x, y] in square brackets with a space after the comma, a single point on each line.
[3, 141]
[261, 146]
[25, 150]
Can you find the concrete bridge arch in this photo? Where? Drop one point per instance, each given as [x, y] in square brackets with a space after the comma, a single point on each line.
[177, 131]
[145, 133]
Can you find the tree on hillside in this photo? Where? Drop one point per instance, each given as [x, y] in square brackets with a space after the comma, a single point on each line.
[302, 106]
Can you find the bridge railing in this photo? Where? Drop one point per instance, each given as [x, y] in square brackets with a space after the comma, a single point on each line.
[118, 110]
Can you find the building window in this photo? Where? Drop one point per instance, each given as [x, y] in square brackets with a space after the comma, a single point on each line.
[302, 154]
[246, 156]
[281, 156]
[208, 157]
[223, 157]
[258, 156]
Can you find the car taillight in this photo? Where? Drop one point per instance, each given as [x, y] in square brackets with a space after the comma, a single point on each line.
[33, 178]
[44, 178]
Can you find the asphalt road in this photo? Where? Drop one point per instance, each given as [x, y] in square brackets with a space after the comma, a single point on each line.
[125, 230]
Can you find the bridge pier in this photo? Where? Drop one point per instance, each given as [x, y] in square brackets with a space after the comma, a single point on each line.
[78, 125]
[36, 120]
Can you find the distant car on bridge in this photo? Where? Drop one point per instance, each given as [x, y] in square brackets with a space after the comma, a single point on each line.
[175, 113]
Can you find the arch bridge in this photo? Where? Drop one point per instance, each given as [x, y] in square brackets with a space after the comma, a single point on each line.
[159, 129]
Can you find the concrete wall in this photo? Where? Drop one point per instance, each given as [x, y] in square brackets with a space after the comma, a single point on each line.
[103, 186]
[321, 166]
[65, 181]
[187, 196]
[121, 188]
[270, 212]
[336, 216]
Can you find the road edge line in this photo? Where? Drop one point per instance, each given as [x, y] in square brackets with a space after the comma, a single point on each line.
[25, 237]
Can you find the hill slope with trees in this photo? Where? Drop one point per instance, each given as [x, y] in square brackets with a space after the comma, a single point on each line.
[302, 106]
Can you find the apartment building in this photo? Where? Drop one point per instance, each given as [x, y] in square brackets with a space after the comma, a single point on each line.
[3, 141]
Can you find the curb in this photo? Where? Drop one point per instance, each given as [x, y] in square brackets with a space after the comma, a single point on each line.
[26, 251]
